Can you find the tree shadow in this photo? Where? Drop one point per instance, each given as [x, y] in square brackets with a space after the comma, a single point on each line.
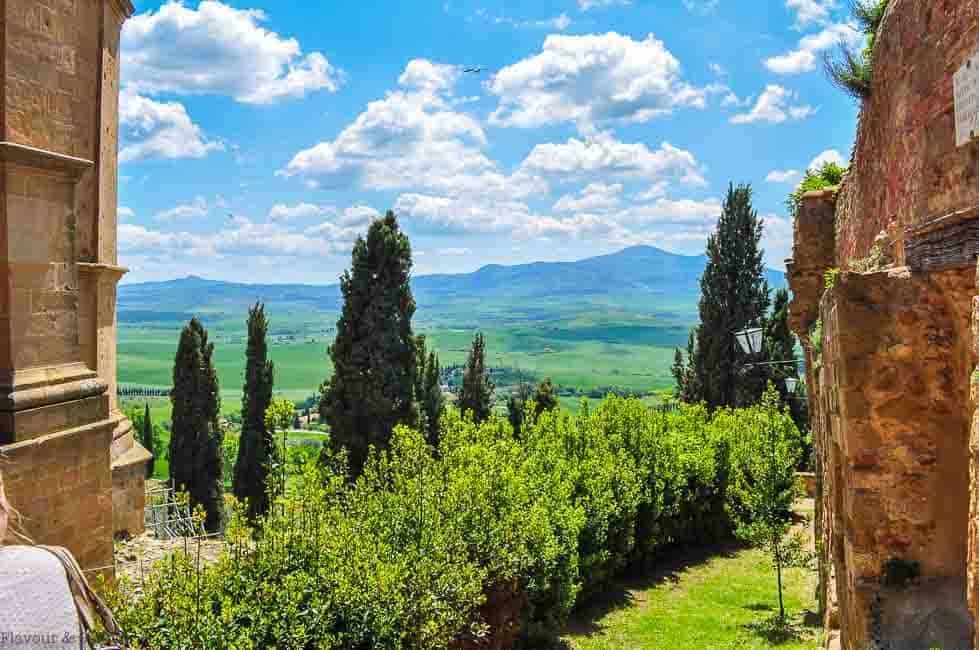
[760, 607]
[621, 593]
[776, 630]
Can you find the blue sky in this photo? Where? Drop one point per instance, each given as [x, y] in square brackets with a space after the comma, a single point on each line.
[258, 138]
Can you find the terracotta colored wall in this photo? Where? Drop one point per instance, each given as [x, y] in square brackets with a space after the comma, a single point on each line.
[906, 168]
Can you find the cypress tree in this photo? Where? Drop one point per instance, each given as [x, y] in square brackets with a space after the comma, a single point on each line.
[147, 439]
[476, 395]
[428, 391]
[374, 354]
[256, 446]
[515, 406]
[734, 296]
[545, 399]
[195, 441]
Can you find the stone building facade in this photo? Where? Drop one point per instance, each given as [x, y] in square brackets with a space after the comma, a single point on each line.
[892, 349]
[68, 456]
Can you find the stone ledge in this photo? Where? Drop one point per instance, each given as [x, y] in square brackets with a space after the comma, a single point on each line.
[137, 455]
[97, 268]
[42, 440]
[26, 389]
[21, 154]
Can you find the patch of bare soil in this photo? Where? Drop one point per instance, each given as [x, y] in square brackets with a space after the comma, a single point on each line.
[136, 556]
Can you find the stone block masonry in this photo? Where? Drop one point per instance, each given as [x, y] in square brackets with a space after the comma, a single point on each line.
[892, 349]
[70, 462]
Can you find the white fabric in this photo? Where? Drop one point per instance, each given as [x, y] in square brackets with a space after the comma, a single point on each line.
[37, 611]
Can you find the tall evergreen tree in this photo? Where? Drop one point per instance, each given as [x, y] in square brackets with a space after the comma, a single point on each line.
[476, 395]
[374, 354]
[734, 296]
[428, 391]
[515, 405]
[195, 441]
[545, 399]
[148, 440]
[256, 445]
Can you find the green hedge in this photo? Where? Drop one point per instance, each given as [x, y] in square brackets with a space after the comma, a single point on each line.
[488, 537]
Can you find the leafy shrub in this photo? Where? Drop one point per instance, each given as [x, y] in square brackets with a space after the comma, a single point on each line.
[828, 175]
[494, 535]
[830, 277]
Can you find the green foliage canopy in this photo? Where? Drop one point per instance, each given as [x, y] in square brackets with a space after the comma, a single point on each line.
[410, 553]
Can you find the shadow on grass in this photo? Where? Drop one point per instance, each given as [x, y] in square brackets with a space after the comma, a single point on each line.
[776, 631]
[621, 593]
[760, 607]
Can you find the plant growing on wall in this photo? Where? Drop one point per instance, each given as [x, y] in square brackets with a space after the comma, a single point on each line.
[828, 175]
[852, 70]
[830, 277]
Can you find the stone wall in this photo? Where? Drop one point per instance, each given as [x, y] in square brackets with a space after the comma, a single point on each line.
[891, 350]
[62, 485]
[906, 168]
[63, 442]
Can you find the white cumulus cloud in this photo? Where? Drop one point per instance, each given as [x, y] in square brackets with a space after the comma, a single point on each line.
[592, 79]
[783, 176]
[601, 155]
[282, 212]
[805, 58]
[219, 49]
[810, 11]
[595, 197]
[152, 129]
[775, 105]
[196, 209]
[828, 156]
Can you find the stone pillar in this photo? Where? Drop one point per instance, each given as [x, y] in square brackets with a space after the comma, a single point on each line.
[61, 435]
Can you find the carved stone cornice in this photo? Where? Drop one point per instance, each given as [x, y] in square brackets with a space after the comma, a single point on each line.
[100, 269]
[36, 387]
[22, 154]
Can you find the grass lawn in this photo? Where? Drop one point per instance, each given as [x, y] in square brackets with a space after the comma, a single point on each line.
[708, 600]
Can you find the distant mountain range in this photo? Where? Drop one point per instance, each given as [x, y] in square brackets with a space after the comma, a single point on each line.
[643, 272]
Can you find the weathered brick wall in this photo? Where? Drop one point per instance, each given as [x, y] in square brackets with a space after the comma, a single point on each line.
[906, 168]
